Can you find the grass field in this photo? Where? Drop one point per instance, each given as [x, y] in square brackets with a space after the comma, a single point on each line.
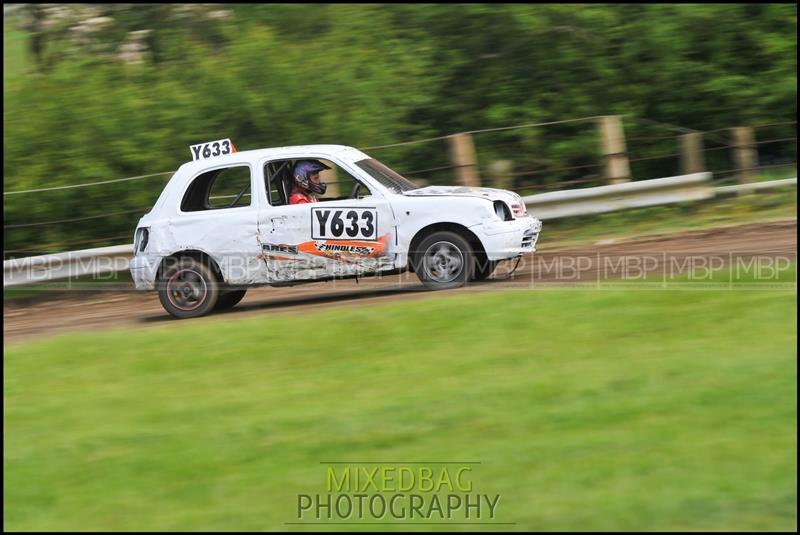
[588, 409]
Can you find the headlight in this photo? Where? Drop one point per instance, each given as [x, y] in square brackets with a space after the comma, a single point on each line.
[502, 211]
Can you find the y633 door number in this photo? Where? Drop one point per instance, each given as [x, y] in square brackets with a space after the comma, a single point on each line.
[344, 223]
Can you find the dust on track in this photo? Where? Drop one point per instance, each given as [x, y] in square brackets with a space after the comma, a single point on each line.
[123, 308]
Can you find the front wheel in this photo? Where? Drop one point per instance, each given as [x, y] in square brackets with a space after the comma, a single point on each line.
[443, 260]
[188, 288]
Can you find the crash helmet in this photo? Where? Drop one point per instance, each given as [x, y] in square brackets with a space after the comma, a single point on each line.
[302, 175]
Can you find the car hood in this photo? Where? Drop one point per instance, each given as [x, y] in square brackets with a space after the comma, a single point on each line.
[491, 194]
[513, 200]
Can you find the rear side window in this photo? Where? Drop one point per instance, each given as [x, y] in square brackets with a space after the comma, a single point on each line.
[220, 188]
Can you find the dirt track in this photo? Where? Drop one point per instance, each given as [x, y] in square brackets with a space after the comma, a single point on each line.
[667, 255]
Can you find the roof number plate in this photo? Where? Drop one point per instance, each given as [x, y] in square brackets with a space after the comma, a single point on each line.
[211, 149]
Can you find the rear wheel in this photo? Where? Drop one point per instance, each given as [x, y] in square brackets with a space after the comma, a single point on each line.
[443, 260]
[188, 288]
[229, 299]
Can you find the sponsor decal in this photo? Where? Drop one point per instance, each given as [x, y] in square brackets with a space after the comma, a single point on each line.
[341, 249]
[282, 248]
[315, 251]
[327, 247]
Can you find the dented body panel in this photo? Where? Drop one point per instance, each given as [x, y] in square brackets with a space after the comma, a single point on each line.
[262, 244]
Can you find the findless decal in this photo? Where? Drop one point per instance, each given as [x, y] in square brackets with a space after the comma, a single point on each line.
[327, 247]
[343, 249]
[309, 254]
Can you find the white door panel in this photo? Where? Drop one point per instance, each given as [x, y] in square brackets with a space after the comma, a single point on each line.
[324, 239]
[229, 236]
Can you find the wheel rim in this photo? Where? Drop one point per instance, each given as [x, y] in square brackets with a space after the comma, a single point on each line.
[443, 261]
[186, 289]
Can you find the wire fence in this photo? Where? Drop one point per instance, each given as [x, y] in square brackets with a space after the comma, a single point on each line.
[650, 153]
[109, 214]
[472, 132]
[87, 184]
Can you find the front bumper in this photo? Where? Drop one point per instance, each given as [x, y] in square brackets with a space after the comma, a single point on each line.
[508, 239]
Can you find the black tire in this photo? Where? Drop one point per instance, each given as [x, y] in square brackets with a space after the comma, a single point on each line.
[229, 299]
[188, 288]
[443, 260]
[483, 269]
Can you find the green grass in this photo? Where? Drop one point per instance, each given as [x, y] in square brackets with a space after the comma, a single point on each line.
[588, 409]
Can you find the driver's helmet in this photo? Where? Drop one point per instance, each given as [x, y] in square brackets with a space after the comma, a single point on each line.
[302, 175]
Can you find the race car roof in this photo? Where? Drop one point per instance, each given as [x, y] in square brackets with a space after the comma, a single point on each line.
[294, 151]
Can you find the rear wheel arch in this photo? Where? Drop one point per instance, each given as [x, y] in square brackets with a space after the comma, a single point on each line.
[200, 256]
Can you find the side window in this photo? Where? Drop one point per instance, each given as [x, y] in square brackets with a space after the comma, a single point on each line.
[219, 188]
[343, 185]
[340, 183]
[278, 178]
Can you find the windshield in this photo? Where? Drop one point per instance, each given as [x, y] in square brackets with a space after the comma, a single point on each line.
[386, 176]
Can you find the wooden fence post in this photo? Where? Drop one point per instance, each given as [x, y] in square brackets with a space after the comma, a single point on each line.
[692, 154]
[612, 146]
[745, 155]
[462, 155]
[500, 173]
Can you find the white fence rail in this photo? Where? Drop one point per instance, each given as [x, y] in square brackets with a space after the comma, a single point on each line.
[107, 260]
[755, 186]
[69, 265]
[694, 187]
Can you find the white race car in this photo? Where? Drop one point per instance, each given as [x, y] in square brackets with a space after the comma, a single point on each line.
[224, 223]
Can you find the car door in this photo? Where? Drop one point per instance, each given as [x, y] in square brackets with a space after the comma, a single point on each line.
[218, 215]
[342, 235]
